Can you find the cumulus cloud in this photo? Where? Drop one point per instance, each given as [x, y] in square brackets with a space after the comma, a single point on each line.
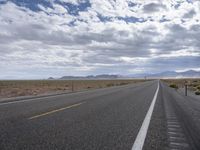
[81, 37]
[153, 7]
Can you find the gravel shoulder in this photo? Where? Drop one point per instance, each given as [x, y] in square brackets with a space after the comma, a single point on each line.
[157, 133]
[190, 93]
[189, 112]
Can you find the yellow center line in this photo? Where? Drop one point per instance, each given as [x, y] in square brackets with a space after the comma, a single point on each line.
[56, 110]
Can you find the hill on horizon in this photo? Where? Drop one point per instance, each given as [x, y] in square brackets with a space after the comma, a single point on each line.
[165, 74]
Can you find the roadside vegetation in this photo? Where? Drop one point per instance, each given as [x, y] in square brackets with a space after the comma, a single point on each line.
[197, 92]
[14, 88]
[173, 86]
[193, 84]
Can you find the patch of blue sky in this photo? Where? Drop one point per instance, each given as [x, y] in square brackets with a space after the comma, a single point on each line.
[131, 4]
[126, 19]
[74, 9]
[3, 2]
[104, 18]
[73, 22]
[179, 3]
[189, 1]
[164, 20]
[32, 4]
[131, 19]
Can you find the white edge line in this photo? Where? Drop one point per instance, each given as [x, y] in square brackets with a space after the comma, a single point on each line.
[139, 141]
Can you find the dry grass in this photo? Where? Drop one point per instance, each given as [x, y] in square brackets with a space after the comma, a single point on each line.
[13, 88]
[193, 84]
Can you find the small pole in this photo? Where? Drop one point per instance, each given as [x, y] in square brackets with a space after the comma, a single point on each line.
[185, 88]
[72, 86]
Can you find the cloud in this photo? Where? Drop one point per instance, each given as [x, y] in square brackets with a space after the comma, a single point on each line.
[92, 37]
[153, 7]
[190, 14]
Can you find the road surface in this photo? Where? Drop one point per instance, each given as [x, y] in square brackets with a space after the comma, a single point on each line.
[146, 116]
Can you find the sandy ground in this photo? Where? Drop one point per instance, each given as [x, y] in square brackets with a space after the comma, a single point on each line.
[192, 84]
[15, 88]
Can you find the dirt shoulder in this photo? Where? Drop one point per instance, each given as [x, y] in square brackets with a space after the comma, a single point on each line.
[193, 85]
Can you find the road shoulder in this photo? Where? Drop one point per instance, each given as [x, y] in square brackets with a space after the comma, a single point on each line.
[157, 133]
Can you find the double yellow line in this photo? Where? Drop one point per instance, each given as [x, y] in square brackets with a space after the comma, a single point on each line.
[54, 111]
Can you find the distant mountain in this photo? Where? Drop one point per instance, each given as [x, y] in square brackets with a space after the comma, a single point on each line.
[166, 74]
[174, 74]
[190, 73]
[50, 78]
[106, 76]
[71, 77]
[102, 76]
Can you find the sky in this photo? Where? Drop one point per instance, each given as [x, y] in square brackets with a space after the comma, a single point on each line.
[43, 38]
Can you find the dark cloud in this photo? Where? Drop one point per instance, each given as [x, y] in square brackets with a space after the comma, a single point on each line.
[153, 7]
[189, 14]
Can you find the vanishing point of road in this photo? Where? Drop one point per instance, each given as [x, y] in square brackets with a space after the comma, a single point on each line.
[148, 116]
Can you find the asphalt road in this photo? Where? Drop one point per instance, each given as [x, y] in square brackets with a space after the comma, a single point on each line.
[103, 119]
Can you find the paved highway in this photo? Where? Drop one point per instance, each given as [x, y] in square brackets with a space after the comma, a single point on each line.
[146, 116]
